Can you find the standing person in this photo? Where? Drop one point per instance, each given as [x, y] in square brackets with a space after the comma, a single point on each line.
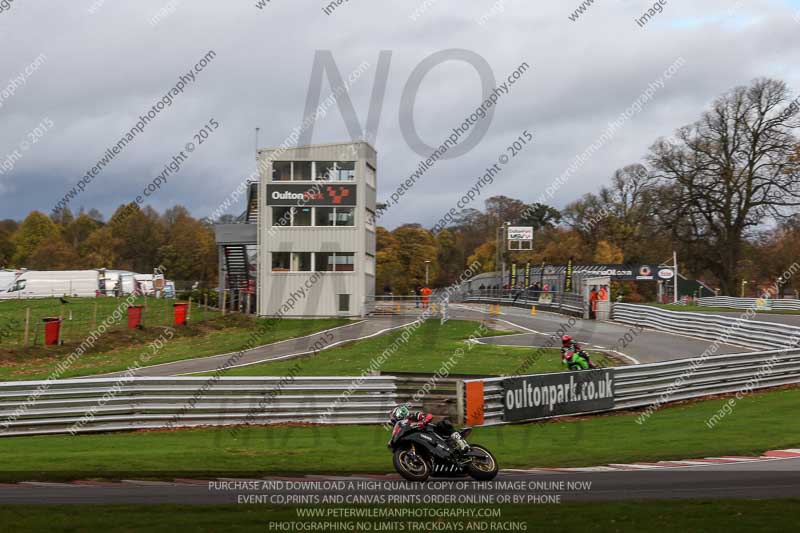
[417, 293]
[593, 297]
[536, 290]
[603, 294]
[426, 294]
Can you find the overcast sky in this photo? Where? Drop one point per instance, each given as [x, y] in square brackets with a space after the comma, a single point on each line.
[99, 71]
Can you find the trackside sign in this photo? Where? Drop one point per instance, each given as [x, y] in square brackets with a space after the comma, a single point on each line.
[540, 396]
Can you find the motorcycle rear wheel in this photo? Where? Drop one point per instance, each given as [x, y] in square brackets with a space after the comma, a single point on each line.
[484, 469]
[413, 469]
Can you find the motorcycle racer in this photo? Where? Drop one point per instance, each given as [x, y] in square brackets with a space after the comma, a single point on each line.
[569, 346]
[444, 428]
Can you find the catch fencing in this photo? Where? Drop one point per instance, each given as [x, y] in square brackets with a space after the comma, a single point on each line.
[389, 305]
[111, 404]
[652, 384]
[750, 303]
[723, 329]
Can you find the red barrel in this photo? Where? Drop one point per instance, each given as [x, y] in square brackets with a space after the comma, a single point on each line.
[135, 316]
[181, 310]
[52, 328]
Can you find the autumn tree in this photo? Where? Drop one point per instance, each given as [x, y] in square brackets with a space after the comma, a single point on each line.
[138, 235]
[728, 173]
[7, 248]
[607, 253]
[189, 252]
[416, 245]
[53, 254]
[486, 255]
[390, 275]
[98, 250]
[79, 230]
[36, 229]
[539, 216]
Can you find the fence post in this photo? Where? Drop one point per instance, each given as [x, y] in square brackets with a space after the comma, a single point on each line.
[222, 307]
[27, 325]
[189, 310]
[61, 325]
[248, 305]
[94, 315]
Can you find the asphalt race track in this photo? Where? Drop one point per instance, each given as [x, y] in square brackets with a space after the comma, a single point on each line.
[647, 346]
[321, 340]
[778, 478]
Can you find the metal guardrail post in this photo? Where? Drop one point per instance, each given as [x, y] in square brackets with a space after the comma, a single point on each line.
[461, 400]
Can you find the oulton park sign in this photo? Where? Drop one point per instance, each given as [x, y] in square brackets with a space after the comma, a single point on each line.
[309, 195]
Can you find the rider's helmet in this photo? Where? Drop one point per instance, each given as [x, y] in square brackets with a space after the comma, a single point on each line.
[398, 413]
[566, 340]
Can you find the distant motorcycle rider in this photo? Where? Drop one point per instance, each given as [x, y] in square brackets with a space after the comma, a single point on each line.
[443, 428]
[568, 345]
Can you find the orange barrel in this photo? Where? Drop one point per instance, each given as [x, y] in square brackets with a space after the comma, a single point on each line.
[135, 316]
[52, 328]
[181, 310]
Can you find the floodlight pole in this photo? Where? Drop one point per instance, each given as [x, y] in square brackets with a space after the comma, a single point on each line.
[504, 229]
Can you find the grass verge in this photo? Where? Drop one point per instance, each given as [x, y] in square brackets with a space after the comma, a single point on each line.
[426, 350]
[758, 423]
[636, 517]
[117, 350]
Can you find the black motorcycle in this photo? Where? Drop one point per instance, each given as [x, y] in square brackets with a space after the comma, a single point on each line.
[420, 452]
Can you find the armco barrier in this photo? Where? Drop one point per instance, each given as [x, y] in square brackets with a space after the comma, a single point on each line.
[41, 407]
[566, 303]
[725, 329]
[750, 303]
[658, 383]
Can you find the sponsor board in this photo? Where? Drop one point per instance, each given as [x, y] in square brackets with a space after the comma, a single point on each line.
[520, 233]
[666, 273]
[565, 393]
[320, 193]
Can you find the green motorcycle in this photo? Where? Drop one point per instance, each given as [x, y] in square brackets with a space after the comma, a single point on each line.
[576, 360]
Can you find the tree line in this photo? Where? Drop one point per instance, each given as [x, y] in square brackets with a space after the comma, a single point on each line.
[134, 238]
[723, 192]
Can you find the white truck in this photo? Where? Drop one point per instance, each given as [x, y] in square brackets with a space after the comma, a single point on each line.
[52, 283]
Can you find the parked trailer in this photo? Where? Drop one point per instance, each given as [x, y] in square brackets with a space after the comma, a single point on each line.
[117, 282]
[150, 284]
[50, 283]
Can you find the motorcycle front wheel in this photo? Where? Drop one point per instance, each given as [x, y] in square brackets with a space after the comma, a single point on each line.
[412, 467]
[484, 466]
